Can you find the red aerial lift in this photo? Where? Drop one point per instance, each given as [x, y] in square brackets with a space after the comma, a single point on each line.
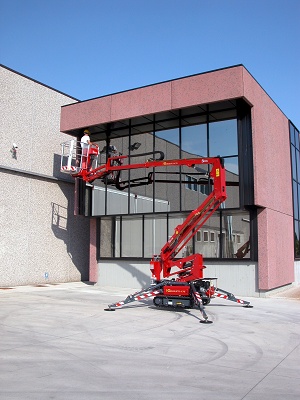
[175, 282]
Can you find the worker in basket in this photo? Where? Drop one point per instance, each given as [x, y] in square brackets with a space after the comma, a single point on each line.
[88, 151]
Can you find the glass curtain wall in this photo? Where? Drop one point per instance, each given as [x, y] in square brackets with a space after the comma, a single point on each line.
[295, 157]
[225, 235]
[145, 216]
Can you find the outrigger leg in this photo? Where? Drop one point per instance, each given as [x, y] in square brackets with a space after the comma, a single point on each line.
[137, 296]
[231, 297]
[199, 301]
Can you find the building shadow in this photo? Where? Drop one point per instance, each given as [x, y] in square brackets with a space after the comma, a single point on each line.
[73, 230]
[143, 279]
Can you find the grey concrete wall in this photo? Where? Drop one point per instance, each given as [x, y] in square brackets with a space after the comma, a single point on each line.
[239, 279]
[30, 118]
[124, 274]
[41, 240]
[297, 272]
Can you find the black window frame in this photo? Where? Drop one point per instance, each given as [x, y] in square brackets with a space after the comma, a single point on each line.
[245, 159]
[295, 174]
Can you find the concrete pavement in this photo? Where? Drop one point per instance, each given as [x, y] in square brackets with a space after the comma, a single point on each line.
[57, 342]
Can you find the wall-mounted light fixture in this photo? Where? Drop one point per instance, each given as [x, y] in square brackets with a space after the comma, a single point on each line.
[134, 146]
[13, 151]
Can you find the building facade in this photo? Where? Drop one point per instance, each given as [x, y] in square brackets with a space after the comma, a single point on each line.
[58, 229]
[252, 243]
[41, 239]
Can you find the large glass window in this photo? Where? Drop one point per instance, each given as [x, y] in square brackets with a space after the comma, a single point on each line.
[194, 141]
[154, 200]
[295, 157]
[236, 235]
[167, 141]
[127, 237]
[170, 184]
[155, 229]
[209, 246]
[107, 238]
[223, 138]
[224, 235]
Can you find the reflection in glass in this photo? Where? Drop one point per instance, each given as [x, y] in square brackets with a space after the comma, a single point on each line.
[223, 138]
[174, 221]
[297, 139]
[132, 234]
[298, 164]
[168, 142]
[293, 152]
[296, 239]
[295, 198]
[232, 182]
[295, 155]
[170, 182]
[232, 167]
[105, 239]
[128, 234]
[137, 156]
[194, 141]
[155, 235]
[145, 234]
[206, 241]
[236, 230]
[292, 134]
[169, 135]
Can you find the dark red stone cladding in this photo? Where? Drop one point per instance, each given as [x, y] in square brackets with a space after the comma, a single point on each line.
[271, 151]
[198, 89]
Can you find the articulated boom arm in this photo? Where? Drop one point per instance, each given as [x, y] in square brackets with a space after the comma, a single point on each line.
[186, 269]
[186, 286]
[191, 267]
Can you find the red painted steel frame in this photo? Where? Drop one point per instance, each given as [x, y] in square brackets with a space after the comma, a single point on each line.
[189, 268]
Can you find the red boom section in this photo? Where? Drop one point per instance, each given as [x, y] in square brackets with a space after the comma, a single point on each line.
[165, 264]
[191, 267]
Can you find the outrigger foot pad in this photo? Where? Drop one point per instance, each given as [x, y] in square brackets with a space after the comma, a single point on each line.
[109, 309]
[205, 321]
[248, 306]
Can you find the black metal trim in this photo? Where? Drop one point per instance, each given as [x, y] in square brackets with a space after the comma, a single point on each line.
[81, 196]
[143, 236]
[253, 234]
[121, 234]
[245, 150]
[98, 235]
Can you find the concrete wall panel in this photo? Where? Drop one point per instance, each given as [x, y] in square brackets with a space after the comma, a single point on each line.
[31, 120]
[199, 89]
[124, 274]
[41, 240]
[239, 279]
[275, 249]
[144, 101]
[272, 187]
[207, 88]
[87, 113]
[271, 150]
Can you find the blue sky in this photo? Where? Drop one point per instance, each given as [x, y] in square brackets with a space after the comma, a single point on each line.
[90, 48]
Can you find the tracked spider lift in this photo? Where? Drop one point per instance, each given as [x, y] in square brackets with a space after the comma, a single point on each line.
[175, 282]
